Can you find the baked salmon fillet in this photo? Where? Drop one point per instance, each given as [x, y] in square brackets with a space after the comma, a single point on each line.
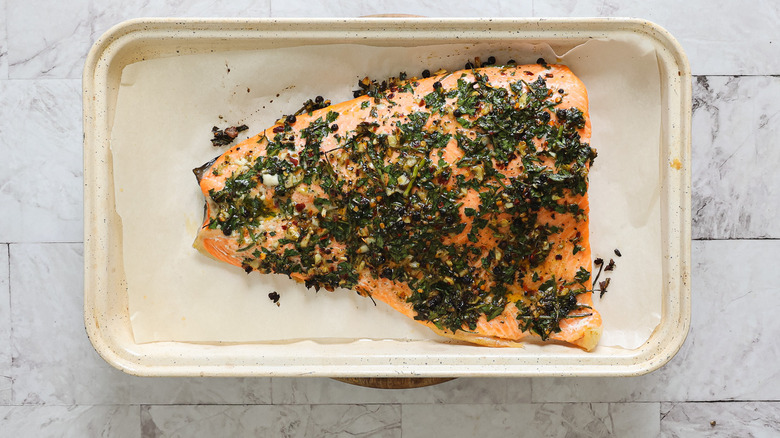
[459, 199]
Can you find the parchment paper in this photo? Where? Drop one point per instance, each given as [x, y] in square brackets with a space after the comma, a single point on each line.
[165, 111]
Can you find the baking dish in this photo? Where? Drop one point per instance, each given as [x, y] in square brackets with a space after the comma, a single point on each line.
[106, 314]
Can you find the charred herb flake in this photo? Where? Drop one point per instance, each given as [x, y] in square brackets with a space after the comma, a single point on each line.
[223, 137]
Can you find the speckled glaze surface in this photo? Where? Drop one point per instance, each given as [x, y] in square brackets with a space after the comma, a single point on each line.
[105, 301]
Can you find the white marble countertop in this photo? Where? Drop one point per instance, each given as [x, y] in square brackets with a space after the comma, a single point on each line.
[724, 382]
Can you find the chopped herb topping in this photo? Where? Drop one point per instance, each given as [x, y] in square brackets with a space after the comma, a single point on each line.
[387, 204]
[553, 302]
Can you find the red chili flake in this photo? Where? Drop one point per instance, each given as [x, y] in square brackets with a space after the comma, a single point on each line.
[422, 103]
[558, 257]
[528, 73]
[390, 96]
[278, 129]
[284, 227]
[299, 207]
[294, 161]
[548, 75]
[231, 132]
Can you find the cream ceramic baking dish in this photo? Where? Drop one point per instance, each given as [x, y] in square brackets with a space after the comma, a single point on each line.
[106, 303]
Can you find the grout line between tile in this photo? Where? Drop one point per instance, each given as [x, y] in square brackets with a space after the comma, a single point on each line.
[401, 419]
[755, 239]
[10, 322]
[402, 406]
[42, 243]
[140, 421]
[653, 401]
[722, 401]
[771, 75]
[7, 49]
[40, 79]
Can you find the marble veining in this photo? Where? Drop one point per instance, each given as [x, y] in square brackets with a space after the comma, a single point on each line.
[477, 391]
[72, 421]
[277, 421]
[733, 336]
[41, 175]
[720, 37]
[3, 43]
[355, 420]
[551, 420]
[5, 329]
[736, 188]
[65, 31]
[745, 419]
[358, 8]
[54, 363]
[745, 43]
